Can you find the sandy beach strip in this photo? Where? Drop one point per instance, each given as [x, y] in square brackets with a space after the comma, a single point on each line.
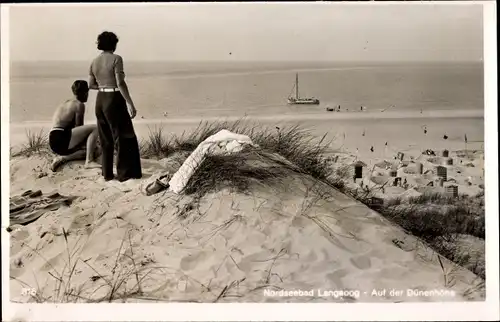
[179, 125]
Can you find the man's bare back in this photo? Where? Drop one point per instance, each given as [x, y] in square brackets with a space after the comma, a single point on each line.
[69, 137]
[69, 114]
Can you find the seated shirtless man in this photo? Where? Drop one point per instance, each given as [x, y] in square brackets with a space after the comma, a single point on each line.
[69, 138]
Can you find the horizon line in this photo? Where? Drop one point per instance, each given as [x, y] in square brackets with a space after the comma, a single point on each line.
[257, 61]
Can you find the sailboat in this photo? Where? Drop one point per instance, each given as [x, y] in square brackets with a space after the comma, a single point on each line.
[297, 99]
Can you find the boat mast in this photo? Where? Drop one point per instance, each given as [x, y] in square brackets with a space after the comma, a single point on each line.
[297, 85]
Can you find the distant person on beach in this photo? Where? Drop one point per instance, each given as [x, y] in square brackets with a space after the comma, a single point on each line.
[114, 123]
[69, 137]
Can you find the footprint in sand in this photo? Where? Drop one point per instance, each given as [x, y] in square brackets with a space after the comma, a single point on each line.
[249, 262]
[82, 220]
[336, 277]
[13, 171]
[19, 234]
[191, 261]
[15, 248]
[311, 257]
[299, 222]
[405, 245]
[361, 262]
[51, 263]
[16, 272]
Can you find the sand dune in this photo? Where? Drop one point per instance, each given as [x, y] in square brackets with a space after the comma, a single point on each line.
[226, 246]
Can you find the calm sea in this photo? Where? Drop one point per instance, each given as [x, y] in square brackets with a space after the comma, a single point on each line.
[237, 89]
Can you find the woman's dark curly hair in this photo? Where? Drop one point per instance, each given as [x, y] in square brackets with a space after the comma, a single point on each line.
[107, 40]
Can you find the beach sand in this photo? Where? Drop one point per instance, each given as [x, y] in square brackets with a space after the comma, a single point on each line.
[230, 246]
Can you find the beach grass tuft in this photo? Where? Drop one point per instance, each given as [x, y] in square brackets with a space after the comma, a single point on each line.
[238, 172]
[442, 221]
[156, 145]
[37, 143]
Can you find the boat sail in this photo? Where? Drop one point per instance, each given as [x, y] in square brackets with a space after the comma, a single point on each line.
[297, 99]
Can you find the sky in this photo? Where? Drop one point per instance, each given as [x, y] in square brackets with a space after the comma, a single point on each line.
[250, 32]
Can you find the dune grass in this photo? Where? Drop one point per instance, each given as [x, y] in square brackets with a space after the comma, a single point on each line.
[155, 145]
[442, 222]
[37, 143]
[238, 172]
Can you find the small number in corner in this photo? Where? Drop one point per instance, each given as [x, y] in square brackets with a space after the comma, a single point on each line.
[28, 291]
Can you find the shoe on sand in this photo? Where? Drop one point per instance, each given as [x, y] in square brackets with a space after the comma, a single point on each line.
[158, 185]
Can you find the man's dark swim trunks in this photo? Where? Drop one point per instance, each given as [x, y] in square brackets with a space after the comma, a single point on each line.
[59, 140]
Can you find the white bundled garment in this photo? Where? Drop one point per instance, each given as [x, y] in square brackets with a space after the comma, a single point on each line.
[223, 142]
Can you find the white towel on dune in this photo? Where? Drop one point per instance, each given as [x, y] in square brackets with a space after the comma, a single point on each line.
[222, 142]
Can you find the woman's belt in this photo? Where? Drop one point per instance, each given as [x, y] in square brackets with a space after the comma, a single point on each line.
[109, 90]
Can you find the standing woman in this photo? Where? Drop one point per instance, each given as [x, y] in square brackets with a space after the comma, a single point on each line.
[114, 123]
